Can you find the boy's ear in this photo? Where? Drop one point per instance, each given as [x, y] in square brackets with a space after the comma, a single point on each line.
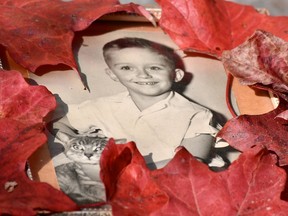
[110, 73]
[179, 74]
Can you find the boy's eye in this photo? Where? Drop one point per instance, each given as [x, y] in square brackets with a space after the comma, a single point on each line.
[154, 68]
[125, 68]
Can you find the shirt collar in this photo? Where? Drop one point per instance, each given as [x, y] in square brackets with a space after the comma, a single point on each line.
[155, 107]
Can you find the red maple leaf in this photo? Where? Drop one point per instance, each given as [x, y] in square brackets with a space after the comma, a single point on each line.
[187, 187]
[22, 102]
[37, 32]
[269, 130]
[262, 59]
[22, 109]
[212, 26]
[127, 181]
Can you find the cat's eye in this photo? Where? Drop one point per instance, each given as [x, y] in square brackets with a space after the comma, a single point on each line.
[77, 147]
[97, 149]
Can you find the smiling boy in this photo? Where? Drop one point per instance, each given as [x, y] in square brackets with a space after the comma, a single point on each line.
[147, 75]
[150, 113]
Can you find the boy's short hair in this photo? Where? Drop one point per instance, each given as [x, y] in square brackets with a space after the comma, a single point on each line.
[133, 42]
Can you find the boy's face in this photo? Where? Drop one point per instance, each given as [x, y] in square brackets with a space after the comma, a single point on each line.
[142, 71]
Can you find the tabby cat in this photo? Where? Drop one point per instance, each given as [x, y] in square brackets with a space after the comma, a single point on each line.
[75, 178]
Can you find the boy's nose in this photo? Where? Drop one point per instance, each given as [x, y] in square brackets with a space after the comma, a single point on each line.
[142, 73]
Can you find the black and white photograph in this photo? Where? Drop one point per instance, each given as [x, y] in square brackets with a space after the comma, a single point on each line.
[135, 85]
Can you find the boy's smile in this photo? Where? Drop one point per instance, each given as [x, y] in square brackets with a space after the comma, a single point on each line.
[142, 71]
[146, 83]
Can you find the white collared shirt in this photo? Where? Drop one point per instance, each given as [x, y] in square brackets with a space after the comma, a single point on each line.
[157, 130]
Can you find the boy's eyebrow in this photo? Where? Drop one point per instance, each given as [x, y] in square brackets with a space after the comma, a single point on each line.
[116, 64]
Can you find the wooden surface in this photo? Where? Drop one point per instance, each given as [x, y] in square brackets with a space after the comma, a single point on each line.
[42, 168]
[251, 101]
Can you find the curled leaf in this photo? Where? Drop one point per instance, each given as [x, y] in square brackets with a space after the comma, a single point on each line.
[262, 59]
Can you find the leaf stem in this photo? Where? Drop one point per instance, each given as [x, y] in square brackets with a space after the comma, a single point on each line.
[228, 95]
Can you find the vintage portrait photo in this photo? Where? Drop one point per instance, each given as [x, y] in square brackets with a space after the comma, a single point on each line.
[135, 85]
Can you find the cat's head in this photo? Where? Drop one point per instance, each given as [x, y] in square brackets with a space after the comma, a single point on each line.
[82, 149]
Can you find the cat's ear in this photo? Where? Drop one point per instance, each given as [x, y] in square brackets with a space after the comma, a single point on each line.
[110, 73]
[64, 137]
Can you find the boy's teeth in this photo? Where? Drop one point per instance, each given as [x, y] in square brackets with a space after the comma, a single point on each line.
[146, 83]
